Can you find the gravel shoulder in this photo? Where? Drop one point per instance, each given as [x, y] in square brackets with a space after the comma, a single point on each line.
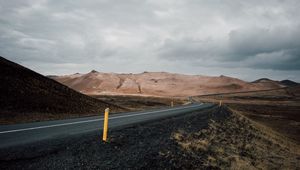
[215, 138]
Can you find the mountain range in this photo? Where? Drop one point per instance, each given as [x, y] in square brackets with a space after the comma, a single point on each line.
[162, 84]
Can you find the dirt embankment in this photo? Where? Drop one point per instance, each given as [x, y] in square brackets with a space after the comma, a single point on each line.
[210, 139]
[277, 109]
[283, 119]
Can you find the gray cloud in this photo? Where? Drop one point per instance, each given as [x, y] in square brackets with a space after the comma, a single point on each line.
[256, 41]
[185, 36]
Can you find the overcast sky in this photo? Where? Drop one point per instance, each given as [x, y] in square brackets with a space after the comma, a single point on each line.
[239, 38]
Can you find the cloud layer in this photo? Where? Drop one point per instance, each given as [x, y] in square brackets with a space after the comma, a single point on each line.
[246, 39]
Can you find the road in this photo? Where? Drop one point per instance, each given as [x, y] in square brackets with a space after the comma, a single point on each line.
[19, 134]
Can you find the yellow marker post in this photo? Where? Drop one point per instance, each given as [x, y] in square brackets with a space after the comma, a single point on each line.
[105, 125]
[172, 104]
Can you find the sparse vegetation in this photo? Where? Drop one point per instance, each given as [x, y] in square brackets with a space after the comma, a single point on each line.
[239, 143]
[276, 109]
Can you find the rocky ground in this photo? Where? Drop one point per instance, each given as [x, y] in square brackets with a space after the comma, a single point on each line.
[210, 139]
[276, 109]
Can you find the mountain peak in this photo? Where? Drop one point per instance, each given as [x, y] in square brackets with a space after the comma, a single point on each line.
[94, 71]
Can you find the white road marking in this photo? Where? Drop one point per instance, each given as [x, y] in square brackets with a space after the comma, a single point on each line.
[94, 120]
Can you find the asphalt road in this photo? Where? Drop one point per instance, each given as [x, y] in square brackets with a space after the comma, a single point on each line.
[19, 134]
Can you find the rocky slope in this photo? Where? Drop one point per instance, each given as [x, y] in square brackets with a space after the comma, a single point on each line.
[27, 96]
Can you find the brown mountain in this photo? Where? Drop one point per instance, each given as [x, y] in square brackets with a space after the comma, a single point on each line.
[157, 84]
[26, 94]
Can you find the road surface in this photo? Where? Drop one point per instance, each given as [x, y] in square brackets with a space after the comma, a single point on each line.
[19, 134]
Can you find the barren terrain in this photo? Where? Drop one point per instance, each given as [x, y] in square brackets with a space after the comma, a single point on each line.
[161, 84]
[251, 130]
[141, 102]
[27, 96]
[277, 109]
[210, 139]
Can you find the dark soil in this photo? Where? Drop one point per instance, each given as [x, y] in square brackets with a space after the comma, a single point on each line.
[28, 96]
[277, 109]
[284, 119]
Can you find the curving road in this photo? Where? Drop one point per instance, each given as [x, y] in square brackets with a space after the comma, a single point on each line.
[19, 134]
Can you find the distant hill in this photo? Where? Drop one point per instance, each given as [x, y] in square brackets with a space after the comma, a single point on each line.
[25, 93]
[159, 84]
[289, 83]
[286, 83]
[272, 84]
[263, 80]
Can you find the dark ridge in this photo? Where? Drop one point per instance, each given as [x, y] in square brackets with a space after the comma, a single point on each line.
[121, 81]
[262, 79]
[289, 83]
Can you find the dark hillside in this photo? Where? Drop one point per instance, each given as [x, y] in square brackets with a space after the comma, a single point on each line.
[289, 83]
[27, 94]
